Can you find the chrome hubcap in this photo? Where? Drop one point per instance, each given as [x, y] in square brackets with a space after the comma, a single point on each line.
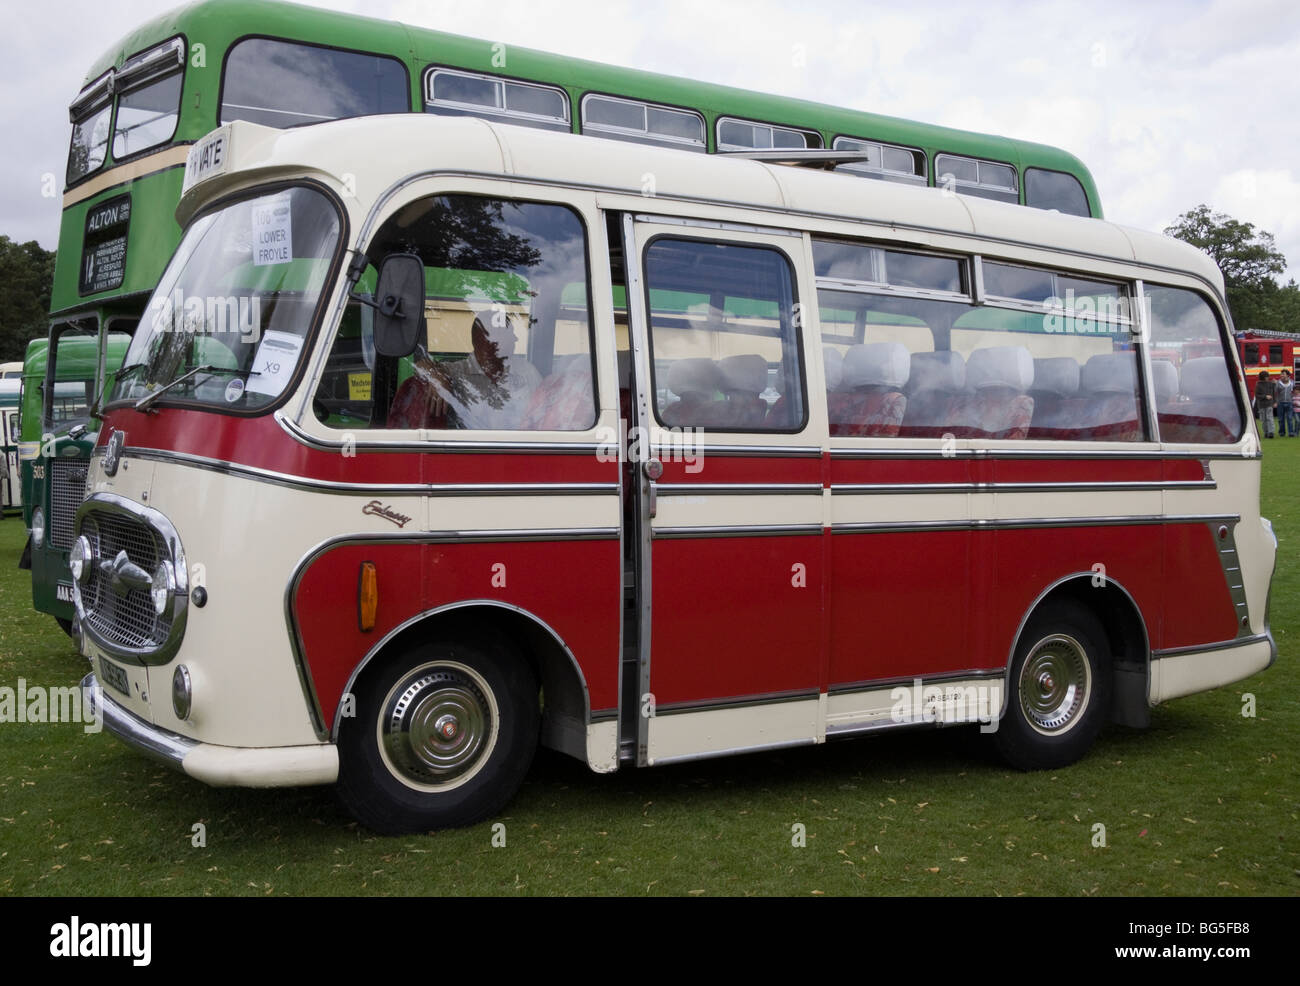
[1055, 684]
[439, 723]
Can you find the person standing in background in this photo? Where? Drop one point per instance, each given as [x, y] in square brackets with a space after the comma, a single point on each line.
[1286, 423]
[1266, 400]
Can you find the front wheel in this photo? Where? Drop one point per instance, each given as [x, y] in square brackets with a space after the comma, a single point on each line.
[1059, 690]
[443, 736]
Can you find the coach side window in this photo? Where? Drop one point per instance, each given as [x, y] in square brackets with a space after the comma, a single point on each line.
[724, 337]
[1198, 403]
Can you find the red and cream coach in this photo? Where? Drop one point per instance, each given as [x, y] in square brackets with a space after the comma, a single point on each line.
[442, 438]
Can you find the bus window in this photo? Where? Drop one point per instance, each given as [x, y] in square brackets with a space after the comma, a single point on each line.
[644, 123]
[90, 112]
[281, 84]
[742, 135]
[507, 341]
[909, 354]
[985, 179]
[886, 162]
[524, 104]
[1203, 407]
[1055, 190]
[150, 100]
[723, 338]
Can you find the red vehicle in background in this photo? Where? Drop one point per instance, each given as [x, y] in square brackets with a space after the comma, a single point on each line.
[1259, 351]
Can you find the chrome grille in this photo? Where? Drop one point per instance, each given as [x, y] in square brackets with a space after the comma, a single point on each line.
[67, 491]
[126, 618]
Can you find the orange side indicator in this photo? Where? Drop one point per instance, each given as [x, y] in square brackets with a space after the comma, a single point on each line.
[367, 596]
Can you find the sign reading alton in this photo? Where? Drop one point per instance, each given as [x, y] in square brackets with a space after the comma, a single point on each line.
[103, 254]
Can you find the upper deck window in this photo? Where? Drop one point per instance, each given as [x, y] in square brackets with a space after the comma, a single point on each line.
[90, 113]
[887, 162]
[645, 123]
[525, 104]
[282, 84]
[971, 176]
[150, 100]
[1055, 190]
[742, 135]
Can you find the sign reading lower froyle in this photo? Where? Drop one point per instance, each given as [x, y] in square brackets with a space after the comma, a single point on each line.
[103, 252]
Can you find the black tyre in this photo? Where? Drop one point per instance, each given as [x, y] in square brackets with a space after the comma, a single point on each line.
[443, 736]
[1058, 690]
[64, 625]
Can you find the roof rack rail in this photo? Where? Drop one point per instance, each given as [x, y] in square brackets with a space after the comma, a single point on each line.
[811, 158]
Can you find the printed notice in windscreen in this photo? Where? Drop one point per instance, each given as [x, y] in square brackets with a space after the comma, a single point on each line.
[277, 355]
[272, 230]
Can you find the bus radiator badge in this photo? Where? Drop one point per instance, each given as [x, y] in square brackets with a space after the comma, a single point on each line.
[113, 452]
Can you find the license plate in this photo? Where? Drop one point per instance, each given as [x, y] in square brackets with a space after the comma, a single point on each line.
[63, 592]
[114, 676]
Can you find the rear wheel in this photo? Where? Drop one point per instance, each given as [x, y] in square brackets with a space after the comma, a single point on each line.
[443, 736]
[1059, 690]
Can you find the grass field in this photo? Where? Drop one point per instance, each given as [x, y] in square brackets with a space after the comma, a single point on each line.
[1203, 803]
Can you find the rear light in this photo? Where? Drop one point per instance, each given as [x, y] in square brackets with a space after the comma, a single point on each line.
[367, 596]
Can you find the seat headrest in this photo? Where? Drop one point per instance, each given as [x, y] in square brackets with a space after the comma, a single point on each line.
[1206, 376]
[1110, 373]
[1164, 379]
[1000, 366]
[877, 364]
[1057, 375]
[944, 370]
[697, 374]
[834, 362]
[746, 374]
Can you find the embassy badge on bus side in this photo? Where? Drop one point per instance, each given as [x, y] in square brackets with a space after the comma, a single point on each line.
[208, 158]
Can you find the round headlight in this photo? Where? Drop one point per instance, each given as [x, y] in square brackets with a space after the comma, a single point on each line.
[38, 527]
[79, 558]
[164, 584]
[182, 692]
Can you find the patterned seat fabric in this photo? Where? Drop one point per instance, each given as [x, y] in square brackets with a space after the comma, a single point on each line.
[870, 402]
[1109, 412]
[1208, 411]
[563, 401]
[697, 384]
[743, 378]
[998, 405]
[935, 387]
[1056, 381]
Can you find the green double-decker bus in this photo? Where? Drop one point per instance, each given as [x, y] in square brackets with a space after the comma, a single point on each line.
[179, 76]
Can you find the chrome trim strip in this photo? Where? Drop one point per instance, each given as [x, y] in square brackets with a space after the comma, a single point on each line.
[1082, 487]
[739, 489]
[858, 729]
[1257, 638]
[713, 224]
[379, 647]
[739, 702]
[371, 489]
[754, 451]
[158, 743]
[900, 526]
[752, 530]
[638, 336]
[876, 684]
[1007, 452]
[298, 434]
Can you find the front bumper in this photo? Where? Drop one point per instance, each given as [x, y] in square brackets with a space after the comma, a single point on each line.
[220, 766]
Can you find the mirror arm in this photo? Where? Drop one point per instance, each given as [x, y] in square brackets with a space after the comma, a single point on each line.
[390, 306]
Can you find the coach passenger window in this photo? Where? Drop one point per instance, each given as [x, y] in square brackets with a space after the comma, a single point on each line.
[507, 338]
[1199, 403]
[723, 337]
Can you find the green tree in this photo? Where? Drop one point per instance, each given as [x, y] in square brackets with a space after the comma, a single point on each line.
[26, 278]
[1250, 260]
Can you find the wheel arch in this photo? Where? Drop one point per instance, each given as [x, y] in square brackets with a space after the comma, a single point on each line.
[567, 700]
[1127, 639]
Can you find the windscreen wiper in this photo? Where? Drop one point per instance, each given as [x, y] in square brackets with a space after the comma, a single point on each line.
[143, 403]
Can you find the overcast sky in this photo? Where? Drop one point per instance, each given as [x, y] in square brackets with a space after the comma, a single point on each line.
[1170, 104]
